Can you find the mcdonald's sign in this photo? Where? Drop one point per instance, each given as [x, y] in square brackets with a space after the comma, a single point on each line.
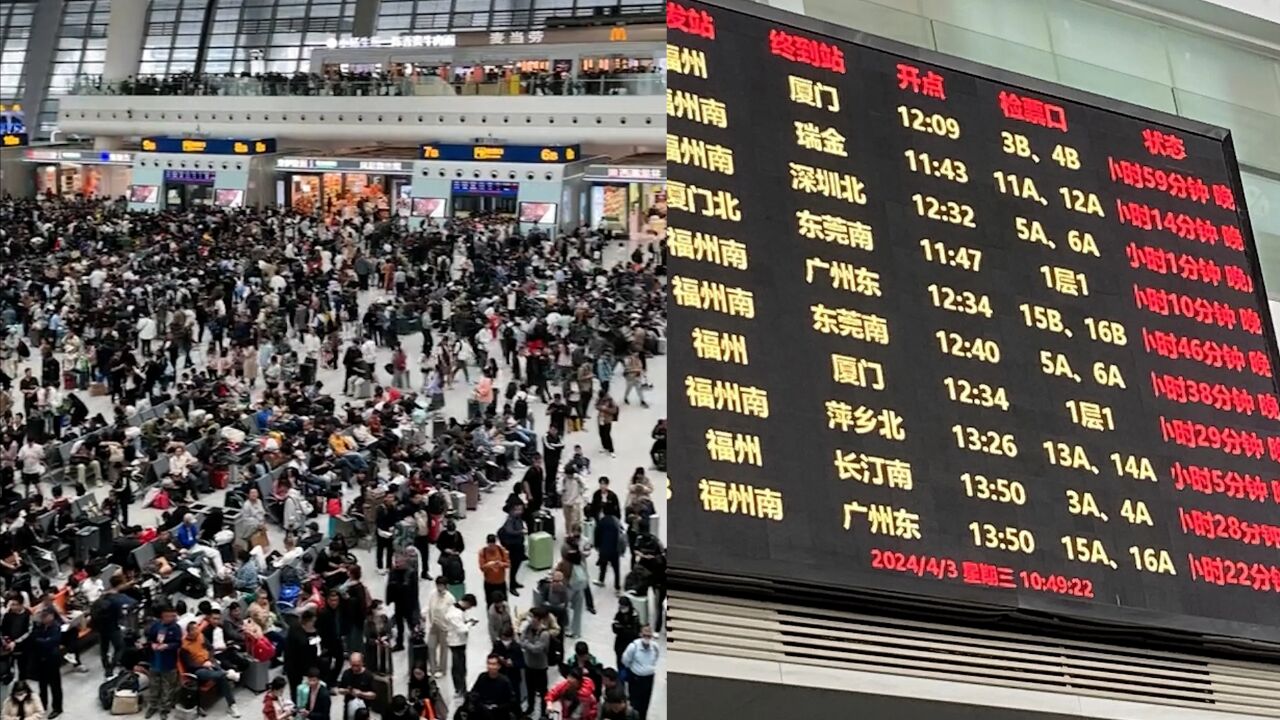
[617, 33]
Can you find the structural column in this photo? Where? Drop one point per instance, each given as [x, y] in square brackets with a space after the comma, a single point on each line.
[366, 18]
[126, 28]
[41, 46]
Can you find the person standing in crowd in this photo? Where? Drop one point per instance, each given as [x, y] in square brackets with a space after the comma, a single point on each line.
[459, 631]
[164, 638]
[640, 660]
[495, 561]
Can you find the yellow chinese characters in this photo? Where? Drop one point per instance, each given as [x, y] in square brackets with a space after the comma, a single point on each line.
[738, 499]
[849, 370]
[720, 204]
[727, 395]
[825, 140]
[864, 420]
[844, 276]
[872, 470]
[713, 296]
[828, 183]
[685, 105]
[685, 61]
[736, 448]
[1065, 280]
[706, 247]
[1091, 415]
[813, 94]
[720, 346]
[850, 323]
[699, 153]
[884, 520]
[834, 229]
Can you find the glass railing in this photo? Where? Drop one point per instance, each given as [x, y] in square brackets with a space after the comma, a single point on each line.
[616, 84]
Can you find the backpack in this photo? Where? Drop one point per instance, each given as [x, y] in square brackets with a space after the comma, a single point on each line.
[261, 649]
[99, 613]
[451, 568]
[436, 504]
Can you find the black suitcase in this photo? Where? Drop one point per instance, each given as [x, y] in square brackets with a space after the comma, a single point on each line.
[418, 653]
[106, 532]
[382, 686]
[307, 372]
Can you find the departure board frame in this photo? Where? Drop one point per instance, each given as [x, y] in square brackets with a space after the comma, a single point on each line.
[750, 550]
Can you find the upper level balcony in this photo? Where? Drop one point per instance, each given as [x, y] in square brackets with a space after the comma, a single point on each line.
[618, 107]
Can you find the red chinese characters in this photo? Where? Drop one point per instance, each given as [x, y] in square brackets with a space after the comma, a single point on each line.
[1181, 224]
[1223, 197]
[691, 21]
[1032, 110]
[1145, 177]
[1166, 262]
[1209, 312]
[1221, 571]
[1215, 481]
[1219, 396]
[806, 51]
[1223, 526]
[980, 573]
[1164, 144]
[930, 84]
[1208, 352]
[1192, 434]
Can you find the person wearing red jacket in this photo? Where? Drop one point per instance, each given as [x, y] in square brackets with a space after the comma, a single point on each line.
[576, 695]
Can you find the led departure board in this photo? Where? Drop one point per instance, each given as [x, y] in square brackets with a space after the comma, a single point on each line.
[945, 332]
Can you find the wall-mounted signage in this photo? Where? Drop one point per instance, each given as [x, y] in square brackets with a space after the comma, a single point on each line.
[516, 37]
[209, 146]
[501, 153]
[13, 139]
[88, 157]
[626, 173]
[394, 41]
[12, 119]
[385, 167]
[485, 187]
[189, 177]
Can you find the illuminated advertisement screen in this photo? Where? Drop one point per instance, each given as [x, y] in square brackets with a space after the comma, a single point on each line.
[225, 197]
[946, 333]
[429, 207]
[144, 193]
[538, 212]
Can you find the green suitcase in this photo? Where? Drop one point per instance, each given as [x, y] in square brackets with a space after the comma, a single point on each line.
[458, 590]
[542, 551]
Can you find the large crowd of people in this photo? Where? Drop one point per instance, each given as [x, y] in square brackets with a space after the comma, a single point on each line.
[502, 80]
[243, 451]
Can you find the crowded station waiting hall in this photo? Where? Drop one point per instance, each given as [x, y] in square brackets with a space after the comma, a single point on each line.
[256, 464]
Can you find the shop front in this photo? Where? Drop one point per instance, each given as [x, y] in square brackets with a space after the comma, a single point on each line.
[629, 199]
[191, 172]
[339, 187]
[86, 173]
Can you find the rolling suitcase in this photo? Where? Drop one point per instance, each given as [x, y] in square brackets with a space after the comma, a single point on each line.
[542, 551]
[641, 604]
[459, 501]
[589, 531]
[655, 525]
[472, 492]
[382, 689]
[418, 653]
[458, 590]
[545, 522]
[256, 675]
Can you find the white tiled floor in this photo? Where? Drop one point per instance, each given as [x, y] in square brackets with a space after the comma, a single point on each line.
[631, 437]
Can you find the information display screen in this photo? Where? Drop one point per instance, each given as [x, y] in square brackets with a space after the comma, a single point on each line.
[949, 334]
